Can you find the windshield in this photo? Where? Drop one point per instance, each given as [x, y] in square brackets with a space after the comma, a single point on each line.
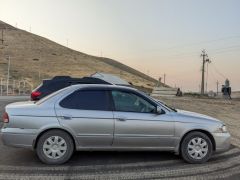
[172, 108]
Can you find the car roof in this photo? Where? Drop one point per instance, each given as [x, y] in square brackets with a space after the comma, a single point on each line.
[103, 87]
[83, 80]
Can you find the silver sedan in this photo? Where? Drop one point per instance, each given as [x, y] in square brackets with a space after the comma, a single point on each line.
[109, 117]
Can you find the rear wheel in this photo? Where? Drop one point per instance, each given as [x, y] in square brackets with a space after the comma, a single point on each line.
[196, 147]
[55, 147]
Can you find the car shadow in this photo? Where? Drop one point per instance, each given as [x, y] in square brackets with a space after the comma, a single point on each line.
[23, 157]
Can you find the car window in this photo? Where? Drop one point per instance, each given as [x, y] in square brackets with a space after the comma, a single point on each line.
[87, 100]
[50, 96]
[130, 102]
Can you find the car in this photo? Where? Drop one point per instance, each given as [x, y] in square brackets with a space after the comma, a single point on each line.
[59, 82]
[90, 117]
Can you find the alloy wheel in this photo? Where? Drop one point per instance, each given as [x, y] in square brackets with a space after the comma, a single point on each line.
[54, 147]
[197, 148]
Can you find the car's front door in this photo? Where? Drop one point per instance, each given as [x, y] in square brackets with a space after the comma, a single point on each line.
[87, 114]
[138, 125]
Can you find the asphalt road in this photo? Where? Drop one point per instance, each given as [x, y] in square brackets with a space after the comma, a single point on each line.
[23, 164]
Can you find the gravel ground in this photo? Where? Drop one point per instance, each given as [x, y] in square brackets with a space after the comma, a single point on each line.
[23, 164]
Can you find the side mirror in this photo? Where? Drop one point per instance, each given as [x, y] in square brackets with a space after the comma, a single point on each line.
[159, 110]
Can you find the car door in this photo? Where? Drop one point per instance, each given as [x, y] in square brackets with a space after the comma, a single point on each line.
[138, 125]
[87, 114]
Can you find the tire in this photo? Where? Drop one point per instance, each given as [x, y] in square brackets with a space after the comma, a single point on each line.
[55, 147]
[196, 148]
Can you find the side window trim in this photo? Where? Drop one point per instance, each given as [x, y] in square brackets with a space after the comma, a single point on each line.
[110, 100]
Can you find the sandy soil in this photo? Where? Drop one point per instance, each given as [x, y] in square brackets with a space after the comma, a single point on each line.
[225, 110]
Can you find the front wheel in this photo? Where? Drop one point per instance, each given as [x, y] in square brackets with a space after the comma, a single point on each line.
[196, 147]
[55, 147]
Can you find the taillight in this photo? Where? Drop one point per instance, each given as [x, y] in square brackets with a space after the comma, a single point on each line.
[5, 117]
[35, 95]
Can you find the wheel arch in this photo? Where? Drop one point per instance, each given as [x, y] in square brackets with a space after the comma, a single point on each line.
[198, 130]
[50, 129]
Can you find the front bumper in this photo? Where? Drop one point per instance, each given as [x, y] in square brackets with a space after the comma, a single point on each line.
[222, 141]
[17, 138]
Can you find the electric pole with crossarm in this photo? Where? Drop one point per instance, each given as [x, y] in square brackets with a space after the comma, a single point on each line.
[204, 55]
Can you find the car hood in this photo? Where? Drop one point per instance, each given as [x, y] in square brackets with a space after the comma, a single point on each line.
[196, 115]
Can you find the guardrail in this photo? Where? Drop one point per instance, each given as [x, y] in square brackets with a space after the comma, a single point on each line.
[164, 91]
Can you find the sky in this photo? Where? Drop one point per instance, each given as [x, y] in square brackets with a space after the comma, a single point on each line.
[154, 36]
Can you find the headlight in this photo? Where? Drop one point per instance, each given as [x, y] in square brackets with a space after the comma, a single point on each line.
[222, 129]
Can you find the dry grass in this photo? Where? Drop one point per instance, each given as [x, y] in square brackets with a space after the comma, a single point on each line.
[31, 54]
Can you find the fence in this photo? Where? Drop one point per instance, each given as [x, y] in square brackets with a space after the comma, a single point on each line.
[14, 87]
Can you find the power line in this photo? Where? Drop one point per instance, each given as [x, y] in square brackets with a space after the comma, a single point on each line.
[227, 51]
[229, 47]
[218, 72]
[212, 74]
[194, 53]
[200, 42]
[164, 78]
[217, 50]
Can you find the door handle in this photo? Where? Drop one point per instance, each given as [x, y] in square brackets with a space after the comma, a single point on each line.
[121, 119]
[66, 117]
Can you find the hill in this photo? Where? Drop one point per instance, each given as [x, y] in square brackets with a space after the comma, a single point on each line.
[35, 58]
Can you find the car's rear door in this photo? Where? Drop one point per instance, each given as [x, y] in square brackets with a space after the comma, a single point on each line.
[137, 125]
[87, 114]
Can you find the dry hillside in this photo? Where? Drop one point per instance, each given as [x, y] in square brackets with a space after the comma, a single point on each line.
[31, 54]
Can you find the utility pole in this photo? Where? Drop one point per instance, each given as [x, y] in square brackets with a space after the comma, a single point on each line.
[24, 87]
[8, 57]
[208, 61]
[2, 37]
[1, 86]
[204, 55]
[217, 87]
[13, 87]
[39, 75]
[164, 78]
[148, 72]
[19, 86]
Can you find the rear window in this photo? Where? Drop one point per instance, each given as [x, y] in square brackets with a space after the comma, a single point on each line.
[50, 96]
[87, 100]
[37, 88]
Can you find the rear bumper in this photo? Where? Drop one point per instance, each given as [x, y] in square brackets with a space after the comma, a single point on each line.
[222, 141]
[17, 139]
